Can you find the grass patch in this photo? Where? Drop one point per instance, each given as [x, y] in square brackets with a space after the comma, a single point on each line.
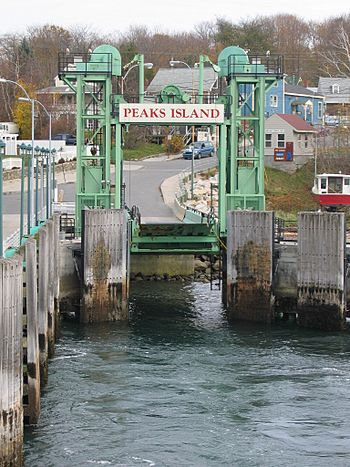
[146, 150]
[287, 194]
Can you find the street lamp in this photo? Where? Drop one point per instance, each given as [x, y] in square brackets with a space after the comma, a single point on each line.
[30, 162]
[22, 151]
[172, 63]
[53, 179]
[2, 153]
[48, 162]
[149, 66]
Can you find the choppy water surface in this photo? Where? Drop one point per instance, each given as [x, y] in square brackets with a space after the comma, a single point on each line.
[180, 386]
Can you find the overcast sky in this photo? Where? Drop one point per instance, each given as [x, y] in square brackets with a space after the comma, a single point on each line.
[177, 15]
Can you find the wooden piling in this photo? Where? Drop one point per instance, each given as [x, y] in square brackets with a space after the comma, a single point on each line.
[321, 274]
[11, 362]
[32, 408]
[51, 288]
[43, 302]
[105, 265]
[56, 220]
[249, 265]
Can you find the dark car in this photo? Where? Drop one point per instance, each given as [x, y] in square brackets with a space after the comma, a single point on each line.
[67, 137]
[198, 150]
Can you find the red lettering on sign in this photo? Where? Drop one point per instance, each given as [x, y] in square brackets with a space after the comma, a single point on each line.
[171, 112]
[154, 113]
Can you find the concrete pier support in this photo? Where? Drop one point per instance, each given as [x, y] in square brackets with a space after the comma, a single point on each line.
[321, 299]
[249, 265]
[11, 362]
[32, 408]
[106, 251]
[43, 302]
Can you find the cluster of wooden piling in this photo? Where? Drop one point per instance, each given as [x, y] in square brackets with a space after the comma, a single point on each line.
[321, 268]
[29, 293]
[106, 257]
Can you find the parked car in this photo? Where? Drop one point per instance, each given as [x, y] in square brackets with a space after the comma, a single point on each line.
[198, 150]
[67, 137]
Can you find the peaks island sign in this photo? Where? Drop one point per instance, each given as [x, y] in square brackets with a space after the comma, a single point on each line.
[184, 114]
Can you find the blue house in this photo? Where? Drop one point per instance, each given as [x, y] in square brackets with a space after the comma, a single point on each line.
[285, 98]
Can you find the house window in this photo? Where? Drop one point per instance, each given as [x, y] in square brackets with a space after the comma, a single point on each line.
[306, 141]
[299, 141]
[335, 89]
[319, 110]
[280, 140]
[274, 100]
[268, 140]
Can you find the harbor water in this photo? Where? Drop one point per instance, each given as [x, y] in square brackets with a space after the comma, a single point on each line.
[180, 386]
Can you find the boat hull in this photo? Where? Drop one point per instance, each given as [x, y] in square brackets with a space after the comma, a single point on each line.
[334, 199]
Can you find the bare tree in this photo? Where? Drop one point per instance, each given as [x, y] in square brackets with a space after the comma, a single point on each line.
[337, 57]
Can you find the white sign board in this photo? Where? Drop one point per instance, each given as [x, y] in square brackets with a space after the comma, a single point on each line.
[185, 114]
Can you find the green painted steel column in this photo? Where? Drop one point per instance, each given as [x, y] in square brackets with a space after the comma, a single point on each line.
[37, 190]
[53, 179]
[222, 155]
[118, 166]
[29, 189]
[80, 148]
[108, 138]
[233, 132]
[48, 191]
[261, 142]
[141, 78]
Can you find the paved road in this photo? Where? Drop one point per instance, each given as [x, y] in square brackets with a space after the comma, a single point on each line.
[142, 178]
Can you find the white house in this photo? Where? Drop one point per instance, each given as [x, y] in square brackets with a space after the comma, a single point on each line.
[289, 142]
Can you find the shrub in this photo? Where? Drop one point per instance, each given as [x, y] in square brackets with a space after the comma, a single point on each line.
[174, 145]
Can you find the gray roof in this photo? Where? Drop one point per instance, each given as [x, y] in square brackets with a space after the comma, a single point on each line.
[300, 90]
[56, 90]
[182, 77]
[325, 87]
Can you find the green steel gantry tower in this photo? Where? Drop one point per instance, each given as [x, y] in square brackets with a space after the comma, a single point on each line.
[242, 137]
[92, 77]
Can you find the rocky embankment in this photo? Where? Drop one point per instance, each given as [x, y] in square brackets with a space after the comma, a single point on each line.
[205, 193]
[205, 269]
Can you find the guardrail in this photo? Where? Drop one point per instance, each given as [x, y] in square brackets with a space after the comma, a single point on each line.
[190, 214]
[14, 240]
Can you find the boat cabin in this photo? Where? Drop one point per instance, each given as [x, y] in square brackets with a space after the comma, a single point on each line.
[332, 189]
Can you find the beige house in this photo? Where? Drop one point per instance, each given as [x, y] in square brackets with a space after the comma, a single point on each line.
[289, 142]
